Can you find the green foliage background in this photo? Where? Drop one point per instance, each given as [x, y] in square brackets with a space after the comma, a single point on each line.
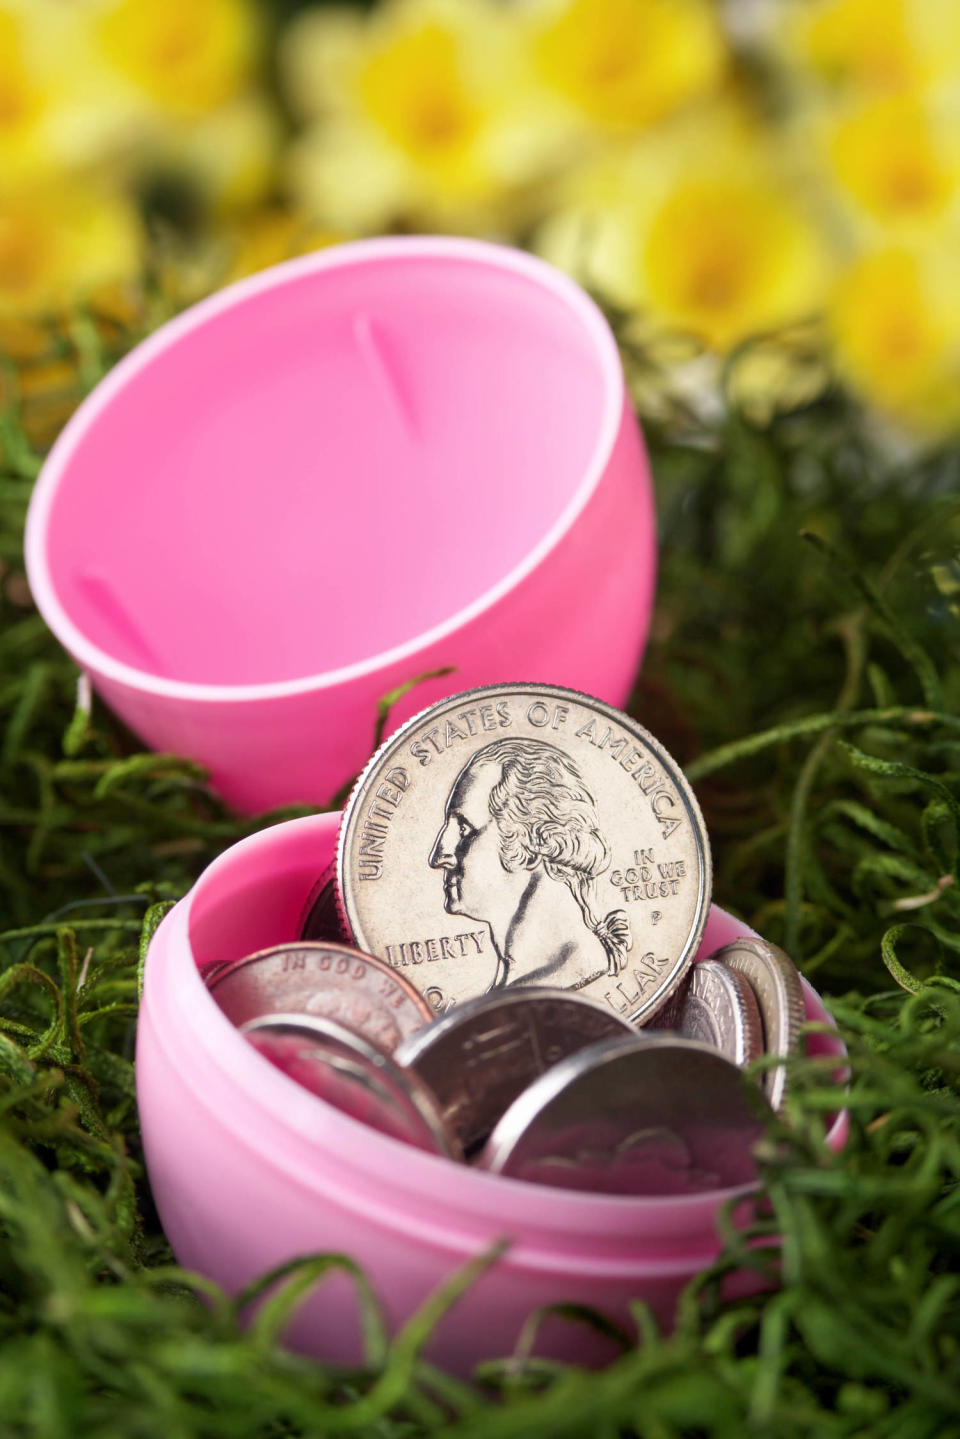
[803, 668]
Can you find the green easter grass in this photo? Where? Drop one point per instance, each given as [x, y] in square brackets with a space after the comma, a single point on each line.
[803, 667]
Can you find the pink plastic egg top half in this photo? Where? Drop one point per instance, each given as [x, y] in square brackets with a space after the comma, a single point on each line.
[381, 459]
[386, 431]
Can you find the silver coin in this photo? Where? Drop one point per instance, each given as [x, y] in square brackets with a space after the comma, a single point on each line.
[321, 913]
[720, 1009]
[526, 835]
[354, 1076]
[774, 980]
[485, 1051]
[332, 980]
[648, 1115]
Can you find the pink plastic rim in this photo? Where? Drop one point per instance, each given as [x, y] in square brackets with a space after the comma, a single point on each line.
[274, 1095]
[471, 252]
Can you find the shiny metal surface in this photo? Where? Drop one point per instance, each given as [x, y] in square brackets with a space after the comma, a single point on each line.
[774, 979]
[526, 835]
[652, 1114]
[484, 1052]
[354, 1076]
[720, 1009]
[321, 913]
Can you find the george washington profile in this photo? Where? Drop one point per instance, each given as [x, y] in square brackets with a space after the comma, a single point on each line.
[521, 850]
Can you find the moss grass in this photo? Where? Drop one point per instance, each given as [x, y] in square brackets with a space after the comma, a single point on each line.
[803, 667]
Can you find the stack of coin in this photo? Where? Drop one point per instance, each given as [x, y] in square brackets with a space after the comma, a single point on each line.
[522, 880]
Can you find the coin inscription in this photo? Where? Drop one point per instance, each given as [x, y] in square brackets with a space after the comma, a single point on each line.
[526, 835]
[327, 979]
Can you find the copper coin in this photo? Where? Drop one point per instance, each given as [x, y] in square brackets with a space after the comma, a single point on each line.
[332, 980]
[355, 1076]
[649, 1115]
[484, 1052]
[775, 981]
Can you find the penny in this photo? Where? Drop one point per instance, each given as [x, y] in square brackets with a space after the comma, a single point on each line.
[484, 1052]
[353, 1075]
[652, 1114]
[332, 980]
[321, 913]
[775, 982]
[526, 835]
[720, 1009]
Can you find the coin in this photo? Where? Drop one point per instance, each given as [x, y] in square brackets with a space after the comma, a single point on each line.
[211, 968]
[353, 1075]
[321, 914]
[333, 980]
[526, 835]
[720, 1009]
[649, 1114]
[775, 982]
[485, 1051]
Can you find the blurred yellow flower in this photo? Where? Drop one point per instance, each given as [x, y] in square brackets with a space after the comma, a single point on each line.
[423, 114]
[700, 230]
[20, 97]
[59, 244]
[229, 156]
[874, 45]
[728, 255]
[185, 56]
[624, 64]
[897, 159]
[895, 322]
[41, 126]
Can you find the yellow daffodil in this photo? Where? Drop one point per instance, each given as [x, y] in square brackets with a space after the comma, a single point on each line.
[895, 322]
[423, 114]
[897, 159]
[22, 98]
[624, 64]
[183, 56]
[699, 230]
[728, 255]
[874, 45]
[59, 244]
[43, 125]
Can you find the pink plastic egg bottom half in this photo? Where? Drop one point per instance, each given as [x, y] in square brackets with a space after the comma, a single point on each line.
[381, 459]
[249, 1170]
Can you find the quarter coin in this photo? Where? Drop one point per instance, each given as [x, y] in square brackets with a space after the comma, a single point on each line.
[332, 980]
[645, 1115]
[720, 1009]
[355, 1076]
[521, 835]
[775, 982]
[484, 1052]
